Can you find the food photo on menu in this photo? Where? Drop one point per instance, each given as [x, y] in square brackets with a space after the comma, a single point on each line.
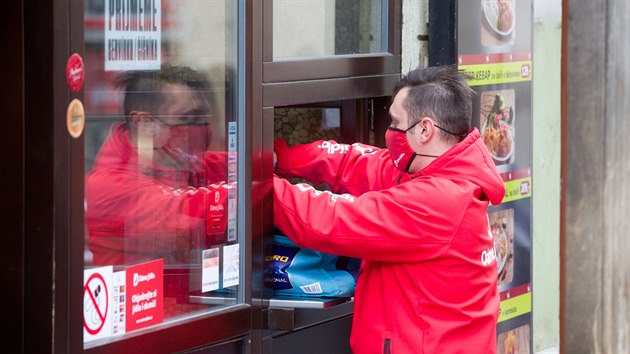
[514, 341]
[498, 22]
[502, 228]
[497, 118]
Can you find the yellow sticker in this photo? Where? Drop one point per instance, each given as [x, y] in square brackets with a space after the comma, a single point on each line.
[517, 189]
[75, 118]
[515, 307]
[498, 73]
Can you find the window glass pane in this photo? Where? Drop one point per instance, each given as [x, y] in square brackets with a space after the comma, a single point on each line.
[328, 27]
[160, 159]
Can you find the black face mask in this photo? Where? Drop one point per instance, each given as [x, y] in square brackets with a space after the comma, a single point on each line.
[460, 136]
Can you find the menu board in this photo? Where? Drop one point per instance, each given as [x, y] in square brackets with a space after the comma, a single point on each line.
[494, 45]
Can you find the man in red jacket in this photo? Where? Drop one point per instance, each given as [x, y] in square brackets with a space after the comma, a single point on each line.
[154, 192]
[414, 212]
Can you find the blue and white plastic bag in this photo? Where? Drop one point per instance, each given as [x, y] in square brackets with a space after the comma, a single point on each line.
[297, 271]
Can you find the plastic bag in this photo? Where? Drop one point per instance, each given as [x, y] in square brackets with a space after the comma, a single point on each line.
[296, 271]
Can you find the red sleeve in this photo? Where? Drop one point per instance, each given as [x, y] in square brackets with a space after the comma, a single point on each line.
[382, 225]
[131, 205]
[354, 169]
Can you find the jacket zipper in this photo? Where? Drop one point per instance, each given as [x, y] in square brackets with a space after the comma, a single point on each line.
[387, 348]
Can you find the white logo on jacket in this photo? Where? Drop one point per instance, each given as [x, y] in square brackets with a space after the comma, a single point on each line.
[332, 148]
[489, 255]
[333, 197]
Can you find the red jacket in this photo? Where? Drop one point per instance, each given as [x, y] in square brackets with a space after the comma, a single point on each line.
[428, 282]
[137, 211]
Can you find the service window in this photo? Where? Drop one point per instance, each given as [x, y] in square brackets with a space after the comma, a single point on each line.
[162, 238]
[319, 39]
[324, 27]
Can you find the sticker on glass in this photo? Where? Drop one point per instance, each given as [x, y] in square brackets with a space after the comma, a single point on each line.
[75, 118]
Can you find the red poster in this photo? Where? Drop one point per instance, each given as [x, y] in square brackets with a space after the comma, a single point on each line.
[145, 297]
[217, 216]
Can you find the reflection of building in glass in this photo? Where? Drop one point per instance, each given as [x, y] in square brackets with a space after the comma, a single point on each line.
[325, 27]
[357, 26]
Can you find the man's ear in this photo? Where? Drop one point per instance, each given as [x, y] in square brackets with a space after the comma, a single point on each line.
[427, 129]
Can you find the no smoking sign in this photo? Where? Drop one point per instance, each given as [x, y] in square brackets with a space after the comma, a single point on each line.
[96, 306]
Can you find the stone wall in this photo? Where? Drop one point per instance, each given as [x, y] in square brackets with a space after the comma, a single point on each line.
[302, 125]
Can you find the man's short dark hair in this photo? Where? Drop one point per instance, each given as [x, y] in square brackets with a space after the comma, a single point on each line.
[441, 93]
[143, 89]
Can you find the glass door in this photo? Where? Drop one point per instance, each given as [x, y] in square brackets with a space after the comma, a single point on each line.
[164, 181]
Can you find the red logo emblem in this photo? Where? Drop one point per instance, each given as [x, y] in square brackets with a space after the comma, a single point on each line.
[75, 72]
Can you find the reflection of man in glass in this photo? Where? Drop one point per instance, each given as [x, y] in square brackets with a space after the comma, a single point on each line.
[154, 191]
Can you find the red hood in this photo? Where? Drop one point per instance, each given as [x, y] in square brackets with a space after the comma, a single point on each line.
[462, 159]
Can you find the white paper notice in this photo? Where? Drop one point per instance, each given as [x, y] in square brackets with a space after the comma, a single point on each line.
[210, 270]
[230, 265]
[133, 31]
